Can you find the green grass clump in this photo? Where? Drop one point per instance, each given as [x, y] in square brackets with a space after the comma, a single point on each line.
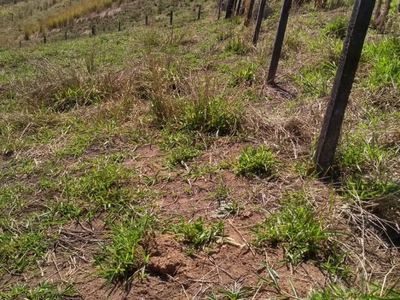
[365, 168]
[181, 147]
[316, 80]
[19, 250]
[336, 28]
[124, 256]
[237, 45]
[384, 59]
[180, 155]
[256, 161]
[369, 292]
[99, 188]
[74, 97]
[44, 290]
[198, 235]
[295, 227]
[189, 103]
[243, 75]
[12, 196]
[212, 115]
[234, 291]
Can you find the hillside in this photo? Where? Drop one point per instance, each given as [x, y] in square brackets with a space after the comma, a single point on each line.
[153, 162]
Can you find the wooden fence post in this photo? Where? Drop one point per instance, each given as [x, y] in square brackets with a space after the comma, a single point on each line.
[349, 58]
[93, 30]
[44, 39]
[249, 13]
[171, 16]
[280, 34]
[259, 21]
[146, 20]
[119, 25]
[66, 35]
[198, 11]
[229, 8]
[238, 6]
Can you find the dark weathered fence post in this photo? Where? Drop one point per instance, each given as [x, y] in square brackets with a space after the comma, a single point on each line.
[93, 30]
[238, 6]
[349, 58]
[259, 21]
[66, 35]
[249, 13]
[171, 16]
[119, 25]
[280, 34]
[146, 20]
[44, 39]
[229, 8]
[198, 11]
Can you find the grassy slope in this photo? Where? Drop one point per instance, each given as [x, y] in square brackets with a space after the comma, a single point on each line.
[117, 145]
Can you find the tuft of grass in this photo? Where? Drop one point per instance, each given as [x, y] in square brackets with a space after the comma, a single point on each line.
[12, 196]
[258, 161]
[124, 256]
[365, 169]
[19, 250]
[62, 89]
[75, 96]
[336, 28]
[244, 75]
[44, 290]
[212, 115]
[316, 80]
[384, 59]
[99, 188]
[295, 227]
[193, 104]
[181, 147]
[196, 234]
[272, 279]
[369, 292]
[180, 155]
[234, 291]
[237, 45]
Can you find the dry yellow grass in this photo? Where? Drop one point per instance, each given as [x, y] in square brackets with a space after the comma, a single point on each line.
[67, 15]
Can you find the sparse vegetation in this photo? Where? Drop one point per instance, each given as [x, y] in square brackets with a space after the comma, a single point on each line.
[295, 227]
[152, 161]
[372, 291]
[44, 290]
